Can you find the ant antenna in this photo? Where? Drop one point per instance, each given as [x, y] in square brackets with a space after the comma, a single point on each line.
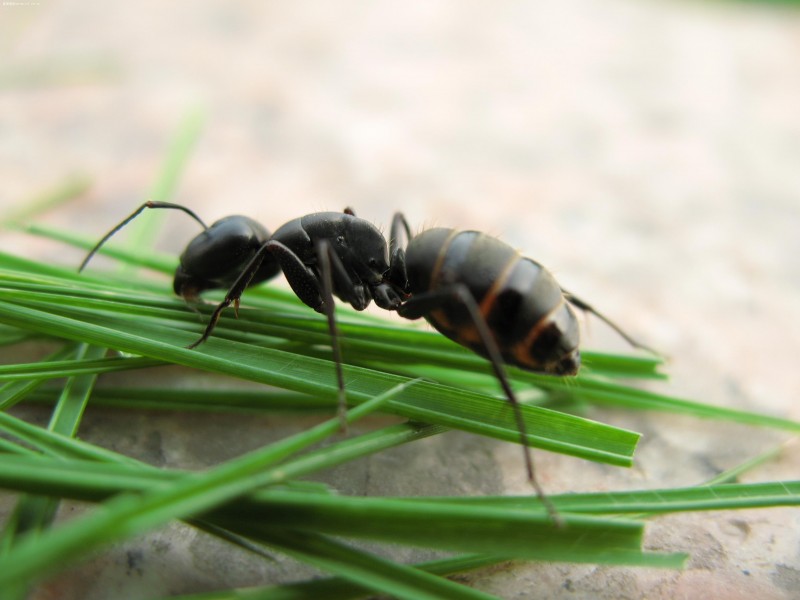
[131, 217]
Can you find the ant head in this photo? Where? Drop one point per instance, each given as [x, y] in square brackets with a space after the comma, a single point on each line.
[366, 250]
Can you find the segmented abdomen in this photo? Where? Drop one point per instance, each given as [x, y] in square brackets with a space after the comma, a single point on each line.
[522, 304]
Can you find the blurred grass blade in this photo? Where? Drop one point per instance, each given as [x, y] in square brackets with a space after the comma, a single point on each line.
[13, 392]
[68, 189]
[336, 588]
[52, 444]
[142, 232]
[95, 476]
[732, 474]
[370, 571]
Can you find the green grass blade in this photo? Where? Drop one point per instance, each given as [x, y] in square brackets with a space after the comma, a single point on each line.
[127, 514]
[369, 571]
[143, 231]
[72, 187]
[200, 399]
[732, 474]
[336, 588]
[653, 502]
[613, 394]
[68, 412]
[34, 514]
[522, 531]
[56, 445]
[74, 367]
[13, 392]
[427, 402]
[96, 477]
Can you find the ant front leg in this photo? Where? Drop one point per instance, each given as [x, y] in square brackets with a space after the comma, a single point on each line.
[302, 280]
[234, 293]
[587, 308]
[422, 304]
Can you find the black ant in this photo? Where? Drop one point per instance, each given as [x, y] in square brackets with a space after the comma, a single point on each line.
[321, 255]
[471, 287]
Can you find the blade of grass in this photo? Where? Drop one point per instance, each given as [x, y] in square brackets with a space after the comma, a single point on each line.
[369, 571]
[379, 517]
[432, 345]
[97, 476]
[71, 187]
[74, 367]
[36, 513]
[524, 531]
[654, 502]
[14, 392]
[95, 481]
[428, 402]
[731, 475]
[142, 232]
[130, 514]
[55, 445]
[613, 394]
[200, 399]
[336, 588]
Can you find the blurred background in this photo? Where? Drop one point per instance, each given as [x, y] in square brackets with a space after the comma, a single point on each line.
[647, 152]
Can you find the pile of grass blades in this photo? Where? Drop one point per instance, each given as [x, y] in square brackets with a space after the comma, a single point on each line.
[246, 501]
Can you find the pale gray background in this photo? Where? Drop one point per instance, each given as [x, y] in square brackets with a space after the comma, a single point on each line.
[648, 152]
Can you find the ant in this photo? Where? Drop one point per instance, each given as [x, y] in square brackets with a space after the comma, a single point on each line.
[471, 287]
[321, 255]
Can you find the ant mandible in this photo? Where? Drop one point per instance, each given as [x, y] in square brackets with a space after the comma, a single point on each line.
[471, 287]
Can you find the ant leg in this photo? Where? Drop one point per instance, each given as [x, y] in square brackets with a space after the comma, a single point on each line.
[422, 304]
[398, 221]
[234, 293]
[302, 280]
[317, 292]
[587, 308]
[131, 217]
[305, 284]
[326, 256]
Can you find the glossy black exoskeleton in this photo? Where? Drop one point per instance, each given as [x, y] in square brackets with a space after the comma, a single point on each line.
[480, 292]
[215, 258]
